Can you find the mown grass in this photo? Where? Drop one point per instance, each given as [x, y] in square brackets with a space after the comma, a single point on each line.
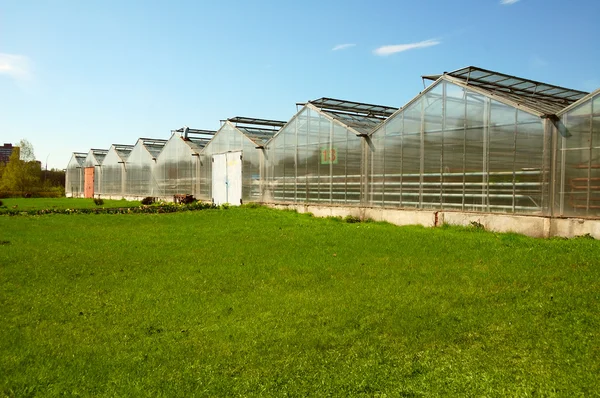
[61, 203]
[257, 302]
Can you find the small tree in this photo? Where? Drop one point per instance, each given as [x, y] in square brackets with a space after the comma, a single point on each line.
[21, 173]
[26, 151]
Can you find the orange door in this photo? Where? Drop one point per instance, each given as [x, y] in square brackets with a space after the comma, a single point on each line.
[89, 182]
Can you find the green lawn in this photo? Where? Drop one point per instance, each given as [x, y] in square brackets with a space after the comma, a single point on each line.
[62, 203]
[258, 302]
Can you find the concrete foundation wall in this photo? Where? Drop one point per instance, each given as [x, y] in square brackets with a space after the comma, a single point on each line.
[535, 226]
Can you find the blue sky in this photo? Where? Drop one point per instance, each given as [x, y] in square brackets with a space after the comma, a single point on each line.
[81, 74]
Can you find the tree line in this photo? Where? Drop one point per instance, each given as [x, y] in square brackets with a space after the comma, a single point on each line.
[22, 175]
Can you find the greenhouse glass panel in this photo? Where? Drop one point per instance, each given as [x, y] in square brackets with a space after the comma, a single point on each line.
[251, 173]
[204, 181]
[303, 155]
[289, 166]
[312, 132]
[276, 153]
[391, 180]
[579, 157]
[411, 155]
[377, 171]
[475, 173]
[433, 147]
[454, 151]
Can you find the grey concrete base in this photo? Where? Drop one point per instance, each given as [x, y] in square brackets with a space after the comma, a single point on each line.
[535, 226]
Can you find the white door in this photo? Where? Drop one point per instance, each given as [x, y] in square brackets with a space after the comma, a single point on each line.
[234, 178]
[227, 178]
[219, 179]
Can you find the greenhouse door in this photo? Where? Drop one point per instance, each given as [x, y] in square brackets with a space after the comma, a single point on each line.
[88, 182]
[227, 178]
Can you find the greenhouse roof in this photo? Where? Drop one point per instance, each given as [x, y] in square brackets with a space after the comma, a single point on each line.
[80, 157]
[99, 154]
[369, 110]
[256, 122]
[258, 130]
[363, 118]
[588, 97]
[154, 146]
[542, 98]
[195, 138]
[123, 150]
[197, 144]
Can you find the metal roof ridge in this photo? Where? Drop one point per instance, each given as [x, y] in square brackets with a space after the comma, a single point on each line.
[352, 102]
[513, 87]
[256, 121]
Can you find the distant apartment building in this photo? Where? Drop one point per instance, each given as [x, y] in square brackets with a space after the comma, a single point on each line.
[5, 152]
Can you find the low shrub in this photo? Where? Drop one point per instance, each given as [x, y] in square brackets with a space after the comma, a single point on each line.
[98, 201]
[351, 219]
[148, 200]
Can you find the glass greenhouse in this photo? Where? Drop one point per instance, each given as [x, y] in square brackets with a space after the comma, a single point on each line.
[113, 171]
[319, 155]
[232, 163]
[74, 175]
[474, 140]
[139, 168]
[177, 167]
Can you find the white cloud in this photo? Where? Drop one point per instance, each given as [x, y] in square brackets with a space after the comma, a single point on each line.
[398, 48]
[508, 2]
[15, 66]
[342, 46]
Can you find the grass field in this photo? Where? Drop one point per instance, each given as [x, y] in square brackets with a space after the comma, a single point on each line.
[61, 203]
[258, 302]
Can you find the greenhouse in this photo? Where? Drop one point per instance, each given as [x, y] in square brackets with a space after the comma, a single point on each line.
[319, 156]
[113, 174]
[472, 144]
[474, 140]
[233, 162]
[74, 175]
[177, 167]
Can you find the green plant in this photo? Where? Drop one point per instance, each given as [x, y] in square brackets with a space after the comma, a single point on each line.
[98, 201]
